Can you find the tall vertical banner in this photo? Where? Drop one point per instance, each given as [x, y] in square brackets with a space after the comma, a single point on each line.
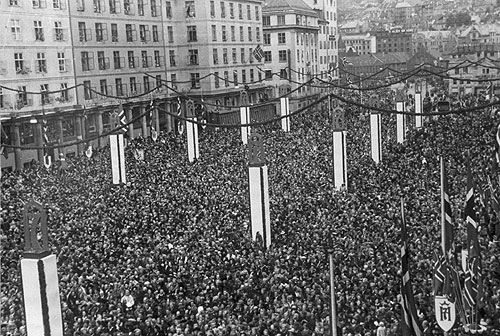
[375, 136]
[400, 122]
[285, 111]
[339, 149]
[41, 297]
[259, 191]
[418, 110]
[244, 117]
[116, 145]
[192, 132]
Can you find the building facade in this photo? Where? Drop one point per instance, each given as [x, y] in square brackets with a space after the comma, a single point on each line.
[393, 40]
[360, 44]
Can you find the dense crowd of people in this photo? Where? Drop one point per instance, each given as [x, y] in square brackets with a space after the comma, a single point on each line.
[170, 253]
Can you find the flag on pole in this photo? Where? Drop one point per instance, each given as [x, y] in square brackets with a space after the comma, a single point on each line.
[496, 153]
[440, 273]
[473, 272]
[446, 216]
[258, 53]
[122, 120]
[494, 199]
[410, 323]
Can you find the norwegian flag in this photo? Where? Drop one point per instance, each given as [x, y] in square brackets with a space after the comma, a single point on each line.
[258, 53]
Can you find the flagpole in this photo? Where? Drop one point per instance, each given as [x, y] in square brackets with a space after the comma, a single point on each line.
[443, 214]
[333, 308]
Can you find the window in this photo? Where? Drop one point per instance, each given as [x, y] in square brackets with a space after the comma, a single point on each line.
[132, 62]
[242, 55]
[140, 7]
[257, 34]
[144, 33]
[249, 13]
[145, 59]
[215, 56]
[222, 9]
[83, 33]
[61, 61]
[191, 34]
[158, 81]
[251, 76]
[235, 78]
[226, 78]
[87, 90]
[171, 57]
[231, 10]
[98, 6]
[233, 34]
[224, 34]
[281, 38]
[119, 87]
[156, 37]
[283, 73]
[102, 61]
[249, 33]
[214, 33]
[170, 34]
[267, 56]
[147, 85]
[268, 74]
[240, 11]
[281, 20]
[267, 39]
[41, 63]
[224, 56]
[80, 5]
[173, 80]
[190, 9]
[158, 61]
[193, 57]
[103, 86]
[195, 80]
[15, 29]
[130, 32]
[22, 96]
[39, 31]
[87, 61]
[243, 76]
[39, 4]
[242, 34]
[168, 10]
[13, 2]
[117, 60]
[216, 80]
[233, 54]
[101, 32]
[154, 9]
[114, 6]
[58, 31]
[19, 63]
[257, 13]
[64, 93]
[114, 32]
[127, 7]
[212, 9]
[133, 86]
[250, 55]
[266, 20]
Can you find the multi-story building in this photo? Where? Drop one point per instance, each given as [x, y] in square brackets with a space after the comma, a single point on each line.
[393, 40]
[328, 36]
[354, 27]
[436, 42]
[291, 46]
[210, 48]
[36, 71]
[360, 44]
[119, 55]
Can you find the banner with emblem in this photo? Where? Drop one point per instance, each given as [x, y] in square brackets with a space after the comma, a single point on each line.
[445, 312]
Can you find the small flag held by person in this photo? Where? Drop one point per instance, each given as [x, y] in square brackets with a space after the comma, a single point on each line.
[258, 53]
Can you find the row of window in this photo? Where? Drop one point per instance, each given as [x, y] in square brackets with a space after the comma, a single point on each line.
[225, 35]
[55, 4]
[120, 62]
[58, 32]
[40, 65]
[243, 56]
[231, 11]
[235, 80]
[120, 88]
[24, 99]
[101, 33]
[115, 7]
